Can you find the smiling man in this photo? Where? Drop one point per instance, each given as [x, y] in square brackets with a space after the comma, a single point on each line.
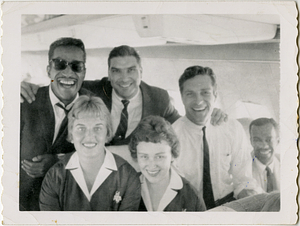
[127, 97]
[44, 123]
[264, 139]
[214, 159]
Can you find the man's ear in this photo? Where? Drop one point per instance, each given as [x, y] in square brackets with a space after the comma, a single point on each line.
[108, 72]
[215, 91]
[141, 70]
[48, 70]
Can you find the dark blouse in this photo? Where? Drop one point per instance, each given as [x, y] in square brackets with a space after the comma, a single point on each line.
[185, 200]
[121, 190]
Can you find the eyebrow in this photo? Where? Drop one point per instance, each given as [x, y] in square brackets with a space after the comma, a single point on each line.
[131, 67]
[98, 124]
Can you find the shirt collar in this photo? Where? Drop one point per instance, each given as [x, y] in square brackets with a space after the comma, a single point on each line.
[170, 193]
[109, 161]
[106, 169]
[175, 180]
[54, 100]
[260, 165]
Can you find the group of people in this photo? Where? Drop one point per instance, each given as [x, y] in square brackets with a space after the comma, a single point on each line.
[191, 163]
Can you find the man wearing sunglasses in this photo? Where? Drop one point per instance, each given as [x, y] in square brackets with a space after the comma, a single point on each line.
[44, 122]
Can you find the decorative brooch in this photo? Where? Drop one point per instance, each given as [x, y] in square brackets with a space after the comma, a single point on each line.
[117, 197]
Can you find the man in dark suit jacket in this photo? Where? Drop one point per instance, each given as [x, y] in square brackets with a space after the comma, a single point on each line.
[43, 123]
[124, 83]
[155, 101]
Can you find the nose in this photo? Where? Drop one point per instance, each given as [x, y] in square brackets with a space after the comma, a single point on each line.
[198, 99]
[124, 74]
[264, 145]
[151, 163]
[90, 135]
[68, 71]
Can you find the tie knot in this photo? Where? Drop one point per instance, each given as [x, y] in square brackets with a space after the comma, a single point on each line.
[62, 107]
[268, 170]
[203, 129]
[125, 103]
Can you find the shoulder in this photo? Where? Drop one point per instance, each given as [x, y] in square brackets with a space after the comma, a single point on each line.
[98, 86]
[41, 97]
[178, 123]
[123, 165]
[96, 83]
[188, 187]
[59, 168]
[231, 128]
[182, 127]
[84, 91]
[153, 90]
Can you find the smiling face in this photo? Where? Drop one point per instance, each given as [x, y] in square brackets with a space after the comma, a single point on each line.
[264, 141]
[66, 83]
[154, 160]
[89, 136]
[198, 97]
[125, 76]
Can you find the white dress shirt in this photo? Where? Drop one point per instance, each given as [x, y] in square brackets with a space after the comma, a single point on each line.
[134, 108]
[260, 174]
[230, 159]
[170, 193]
[59, 113]
[106, 169]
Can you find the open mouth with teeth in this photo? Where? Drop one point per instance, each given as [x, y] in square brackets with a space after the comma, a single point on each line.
[153, 173]
[89, 145]
[199, 109]
[265, 151]
[67, 83]
[126, 85]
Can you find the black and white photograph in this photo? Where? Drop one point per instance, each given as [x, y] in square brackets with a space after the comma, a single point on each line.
[149, 109]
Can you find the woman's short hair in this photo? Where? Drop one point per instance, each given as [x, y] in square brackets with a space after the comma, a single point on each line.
[90, 106]
[154, 129]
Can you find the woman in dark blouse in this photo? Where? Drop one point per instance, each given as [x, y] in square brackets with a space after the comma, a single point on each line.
[155, 146]
[91, 178]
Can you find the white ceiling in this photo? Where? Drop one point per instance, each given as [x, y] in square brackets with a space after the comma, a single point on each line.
[102, 31]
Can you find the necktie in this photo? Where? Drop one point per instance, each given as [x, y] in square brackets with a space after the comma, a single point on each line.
[271, 185]
[208, 195]
[122, 128]
[64, 122]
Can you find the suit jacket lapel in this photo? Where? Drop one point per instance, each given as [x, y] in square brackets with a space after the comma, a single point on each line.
[61, 137]
[147, 107]
[47, 118]
[107, 94]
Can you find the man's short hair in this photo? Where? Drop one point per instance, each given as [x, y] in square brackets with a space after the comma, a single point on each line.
[122, 51]
[90, 106]
[193, 71]
[264, 121]
[154, 129]
[66, 42]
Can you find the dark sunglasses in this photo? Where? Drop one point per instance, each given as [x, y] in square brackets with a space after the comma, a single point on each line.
[60, 64]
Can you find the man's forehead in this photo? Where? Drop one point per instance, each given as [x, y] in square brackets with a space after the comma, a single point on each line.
[199, 82]
[263, 129]
[123, 61]
[68, 52]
